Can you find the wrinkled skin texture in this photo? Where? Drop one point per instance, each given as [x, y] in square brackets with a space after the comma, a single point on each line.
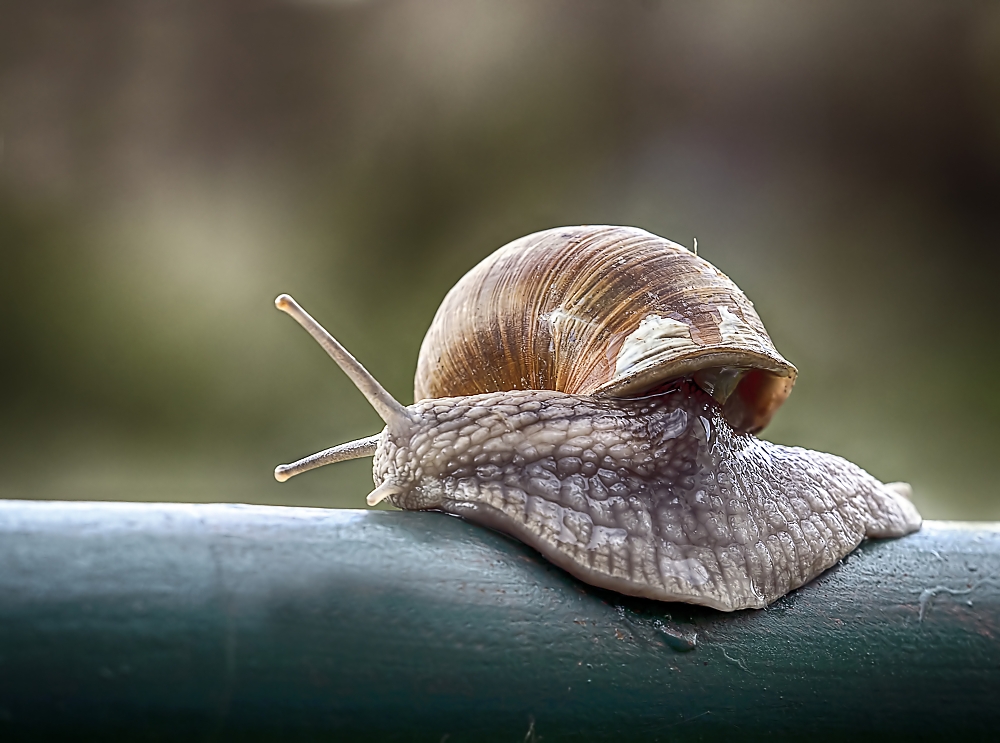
[654, 497]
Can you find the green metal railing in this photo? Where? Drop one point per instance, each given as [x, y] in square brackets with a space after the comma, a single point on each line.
[212, 622]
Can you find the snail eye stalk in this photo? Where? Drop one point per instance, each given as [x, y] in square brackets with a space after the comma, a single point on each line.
[395, 415]
[388, 408]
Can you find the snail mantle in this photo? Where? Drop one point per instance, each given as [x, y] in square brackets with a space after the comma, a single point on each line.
[595, 393]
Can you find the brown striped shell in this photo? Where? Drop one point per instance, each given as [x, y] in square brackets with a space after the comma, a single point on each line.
[601, 310]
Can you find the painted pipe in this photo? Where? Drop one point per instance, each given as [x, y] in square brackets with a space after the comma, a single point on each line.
[209, 622]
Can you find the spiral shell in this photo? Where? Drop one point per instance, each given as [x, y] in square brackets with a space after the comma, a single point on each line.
[600, 310]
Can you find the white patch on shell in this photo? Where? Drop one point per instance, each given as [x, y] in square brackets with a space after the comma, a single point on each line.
[734, 331]
[559, 317]
[563, 325]
[655, 338]
[658, 339]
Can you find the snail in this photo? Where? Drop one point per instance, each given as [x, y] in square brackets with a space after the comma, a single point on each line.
[594, 392]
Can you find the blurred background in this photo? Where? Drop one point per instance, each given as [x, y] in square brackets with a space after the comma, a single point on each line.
[168, 168]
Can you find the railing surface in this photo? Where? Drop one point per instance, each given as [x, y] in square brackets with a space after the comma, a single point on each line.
[205, 622]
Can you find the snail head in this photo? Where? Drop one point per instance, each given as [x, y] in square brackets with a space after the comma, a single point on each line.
[398, 419]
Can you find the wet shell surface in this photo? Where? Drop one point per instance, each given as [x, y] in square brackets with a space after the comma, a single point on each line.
[612, 311]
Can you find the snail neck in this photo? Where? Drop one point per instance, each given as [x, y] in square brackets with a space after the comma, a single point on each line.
[550, 442]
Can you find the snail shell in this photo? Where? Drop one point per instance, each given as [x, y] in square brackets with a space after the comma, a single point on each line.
[590, 391]
[611, 311]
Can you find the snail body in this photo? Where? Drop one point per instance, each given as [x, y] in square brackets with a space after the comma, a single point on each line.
[634, 467]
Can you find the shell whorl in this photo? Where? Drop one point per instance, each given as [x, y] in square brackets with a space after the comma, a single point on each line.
[613, 311]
